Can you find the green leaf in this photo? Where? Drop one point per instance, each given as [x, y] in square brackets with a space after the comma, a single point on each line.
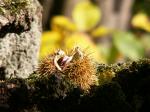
[113, 54]
[146, 41]
[86, 15]
[128, 45]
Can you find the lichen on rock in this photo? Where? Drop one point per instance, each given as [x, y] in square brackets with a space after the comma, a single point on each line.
[13, 6]
[20, 32]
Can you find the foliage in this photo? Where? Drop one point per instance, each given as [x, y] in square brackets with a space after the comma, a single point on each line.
[141, 5]
[100, 31]
[140, 20]
[105, 45]
[64, 35]
[128, 45]
[86, 15]
[145, 41]
[50, 41]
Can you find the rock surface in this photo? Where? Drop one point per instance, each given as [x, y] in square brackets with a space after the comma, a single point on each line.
[20, 32]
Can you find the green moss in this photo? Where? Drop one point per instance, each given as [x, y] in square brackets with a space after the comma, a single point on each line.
[49, 87]
[122, 88]
[14, 6]
[134, 79]
[105, 74]
[13, 94]
[108, 97]
[1, 11]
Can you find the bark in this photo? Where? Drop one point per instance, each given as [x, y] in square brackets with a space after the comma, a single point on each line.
[116, 13]
[69, 6]
[20, 32]
[47, 7]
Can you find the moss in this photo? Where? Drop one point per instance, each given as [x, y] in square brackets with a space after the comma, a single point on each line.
[134, 80]
[3, 96]
[13, 95]
[105, 74]
[16, 15]
[108, 97]
[122, 88]
[14, 6]
[1, 11]
[48, 91]
[49, 87]
[2, 73]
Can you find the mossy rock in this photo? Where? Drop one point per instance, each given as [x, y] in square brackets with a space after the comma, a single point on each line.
[127, 91]
[20, 32]
[13, 6]
[134, 80]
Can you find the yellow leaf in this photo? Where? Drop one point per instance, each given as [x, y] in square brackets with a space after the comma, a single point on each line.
[86, 15]
[100, 31]
[141, 21]
[84, 42]
[60, 23]
[49, 42]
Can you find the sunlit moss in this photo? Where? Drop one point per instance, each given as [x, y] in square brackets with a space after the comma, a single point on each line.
[105, 74]
[1, 11]
[134, 79]
[14, 6]
[49, 87]
[123, 87]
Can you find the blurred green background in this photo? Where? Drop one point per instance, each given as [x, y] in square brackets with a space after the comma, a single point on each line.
[109, 30]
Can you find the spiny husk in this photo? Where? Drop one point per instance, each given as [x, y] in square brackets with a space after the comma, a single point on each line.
[46, 66]
[81, 73]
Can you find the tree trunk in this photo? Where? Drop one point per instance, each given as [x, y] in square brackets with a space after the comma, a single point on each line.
[115, 13]
[20, 33]
[69, 6]
[47, 7]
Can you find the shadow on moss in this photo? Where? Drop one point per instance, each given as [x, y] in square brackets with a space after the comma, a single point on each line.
[122, 88]
[134, 80]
